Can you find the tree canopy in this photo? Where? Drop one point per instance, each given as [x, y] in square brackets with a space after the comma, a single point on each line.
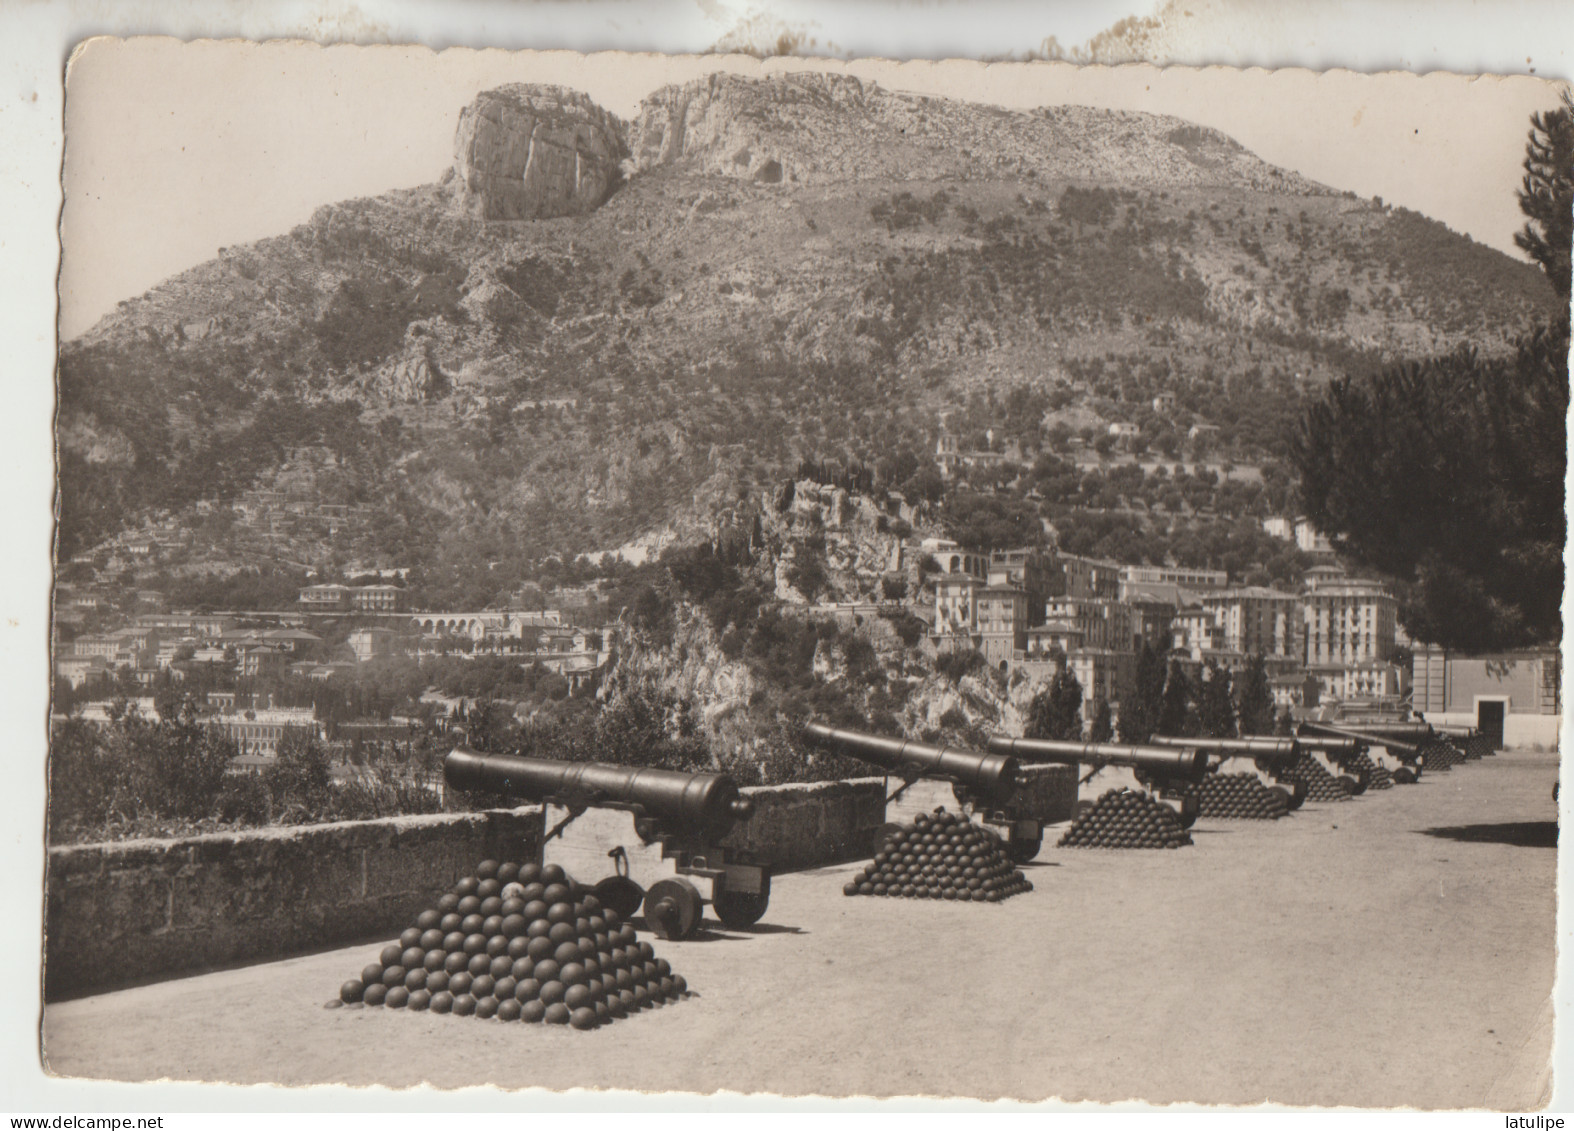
[1447, 474]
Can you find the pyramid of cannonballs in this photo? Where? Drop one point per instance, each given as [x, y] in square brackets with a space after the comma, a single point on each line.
[1126, 818]
[518, 943]
[941, 855]
[1377, 777]
[1320, 784]
[1240, 796]
[1442, 754]
[1478, 745]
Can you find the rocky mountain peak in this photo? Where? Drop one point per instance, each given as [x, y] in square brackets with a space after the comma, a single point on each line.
[530, 151]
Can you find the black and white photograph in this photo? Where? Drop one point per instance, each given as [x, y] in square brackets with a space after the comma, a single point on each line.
[763, 574]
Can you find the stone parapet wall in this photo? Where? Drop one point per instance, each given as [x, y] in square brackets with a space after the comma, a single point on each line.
[126, 911]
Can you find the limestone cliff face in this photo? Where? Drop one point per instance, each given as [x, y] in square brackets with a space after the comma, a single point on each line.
[531, 152]
[826, 129]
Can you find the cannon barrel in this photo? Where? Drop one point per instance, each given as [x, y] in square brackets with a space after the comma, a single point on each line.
[1157, 761]
[991, 776]
[1405, 732]
[1371, 738]
[1271, 749]
[702, 804]
[1333, 747]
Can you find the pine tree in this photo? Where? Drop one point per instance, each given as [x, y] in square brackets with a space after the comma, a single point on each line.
[1142, 703]
[1215, 708]
[1103, 729]
[1056, 711]
[1547, 193]
[1177, 717]
[1254, 699]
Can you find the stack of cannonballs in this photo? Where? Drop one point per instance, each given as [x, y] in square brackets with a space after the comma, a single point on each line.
[941, 855]
[1320, 784]
[1441, 754]
[1126, 818]
[1377, 777]
[518, 943]
[1241, 796]
[1479, 745]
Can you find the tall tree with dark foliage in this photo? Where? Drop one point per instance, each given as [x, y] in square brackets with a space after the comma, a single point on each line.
[1448, 474]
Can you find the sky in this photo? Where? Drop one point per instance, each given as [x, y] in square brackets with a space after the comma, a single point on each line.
[175, 150]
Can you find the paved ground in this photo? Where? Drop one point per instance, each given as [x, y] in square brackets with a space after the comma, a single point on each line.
[1397, 949]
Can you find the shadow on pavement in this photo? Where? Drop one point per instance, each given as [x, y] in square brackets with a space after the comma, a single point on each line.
[1520, 834]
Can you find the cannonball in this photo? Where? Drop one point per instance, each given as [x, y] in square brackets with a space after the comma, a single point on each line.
[479, 964]
[453, 940]
[496, 945]
[552, 991]
[474, 943]
[375, 993]
[547, 969]
[415, 979]
[483, 985]
[390, 955]
[398, 997]
[540, 947]
[410, 937]
[562, 933]
[572, 974]
[523, 967]
[466, 886]
[428, 919]
[518, 947]
[561, 913]
[553, 894]
[532, 1011]
[486, 869]
[513, 926]
[534, 909]
[576, 997]
[437, 981]
[486, 1007]
[556, 1014]
[508, 1009]
[448, 902]
[353, 990]
[491, 911]
[507, 872]
[505, 988]
[464, 1005]
[429, 939]
[456, 961]
[419, 999]
[527, 989]
[512, 904]
[460, 983]
[616, 1005]
[442, 1002]
[372, 973]
[533, 892]
[553, 874]
[469, 905]
[603, 1013]
[569, 951]
[471, 924]
[501, 966]
[592, 968]
[641, 997]
[393, 975]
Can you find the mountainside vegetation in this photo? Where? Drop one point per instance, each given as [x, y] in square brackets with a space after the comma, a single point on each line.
[501, 392]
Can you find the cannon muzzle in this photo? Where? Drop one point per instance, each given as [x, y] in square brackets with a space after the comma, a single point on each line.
[703, 805]
[990, 776]
[1154, 761]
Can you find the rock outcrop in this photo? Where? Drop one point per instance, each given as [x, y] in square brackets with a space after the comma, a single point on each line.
[531, 152]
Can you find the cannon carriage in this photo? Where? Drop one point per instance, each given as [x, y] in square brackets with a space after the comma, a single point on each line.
[654, 834]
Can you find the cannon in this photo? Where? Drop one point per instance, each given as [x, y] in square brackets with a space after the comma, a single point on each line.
[984, 785]
[1153, 768]
[1408, 758]
[673, 864]
[1270, 759]
[1473, 741]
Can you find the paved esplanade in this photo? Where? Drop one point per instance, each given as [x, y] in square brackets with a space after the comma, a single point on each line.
[1343, 955]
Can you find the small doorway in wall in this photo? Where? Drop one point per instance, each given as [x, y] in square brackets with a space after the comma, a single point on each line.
[1489, 721]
